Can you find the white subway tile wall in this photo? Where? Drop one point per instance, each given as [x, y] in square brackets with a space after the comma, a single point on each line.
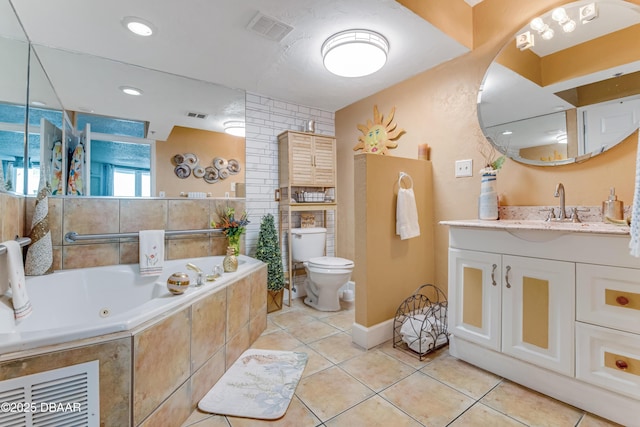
[265, 119]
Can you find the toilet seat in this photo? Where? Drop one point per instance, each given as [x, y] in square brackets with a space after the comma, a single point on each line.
[329, 262]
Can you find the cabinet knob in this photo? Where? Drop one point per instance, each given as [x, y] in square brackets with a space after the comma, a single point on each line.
[621, 364]
[622, 300]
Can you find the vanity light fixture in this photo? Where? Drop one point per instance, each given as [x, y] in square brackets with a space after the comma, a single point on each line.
[588, 13]
[129, 90]
[138, 26]
[235, 128]
[525, 40]
[355, 53]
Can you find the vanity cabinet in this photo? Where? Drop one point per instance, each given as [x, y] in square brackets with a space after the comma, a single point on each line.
[515, 305]
[557, 311]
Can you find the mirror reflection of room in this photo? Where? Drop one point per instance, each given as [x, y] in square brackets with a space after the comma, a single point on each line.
[567, 87]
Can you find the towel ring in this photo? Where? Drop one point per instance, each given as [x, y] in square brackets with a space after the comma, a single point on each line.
[404, 175]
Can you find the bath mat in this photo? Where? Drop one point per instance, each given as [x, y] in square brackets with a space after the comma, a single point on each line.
[260, 384]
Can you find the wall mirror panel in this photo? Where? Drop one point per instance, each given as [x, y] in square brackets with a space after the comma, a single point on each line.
[78, 99]
[567, 86]
[14, 50]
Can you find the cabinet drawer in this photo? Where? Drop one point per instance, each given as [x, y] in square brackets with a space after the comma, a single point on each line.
[608, 358]
[608, 296]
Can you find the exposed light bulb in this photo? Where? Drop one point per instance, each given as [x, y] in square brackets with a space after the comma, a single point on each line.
[537, 24]
[559, 15]
[547, 34]
[569, 26]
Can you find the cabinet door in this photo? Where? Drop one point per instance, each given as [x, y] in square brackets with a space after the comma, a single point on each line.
[474, 296]
[324, 161]
[301, 159]
[539, 312]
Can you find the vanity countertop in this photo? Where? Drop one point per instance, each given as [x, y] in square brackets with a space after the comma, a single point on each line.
[518, 224]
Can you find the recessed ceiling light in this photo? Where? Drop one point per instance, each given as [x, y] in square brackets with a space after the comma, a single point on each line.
[38, 103]
[235, 128]
[129, 90]
[355, 53]
[138, 26]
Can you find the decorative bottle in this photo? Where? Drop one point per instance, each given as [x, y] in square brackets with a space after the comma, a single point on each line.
[488, 200]
[230, 261]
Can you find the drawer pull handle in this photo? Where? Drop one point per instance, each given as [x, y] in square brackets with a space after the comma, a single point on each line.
[621, 364]
[493, 275]
[506, 276]
[622, 300]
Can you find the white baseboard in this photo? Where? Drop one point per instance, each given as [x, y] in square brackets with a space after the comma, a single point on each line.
[375, 335]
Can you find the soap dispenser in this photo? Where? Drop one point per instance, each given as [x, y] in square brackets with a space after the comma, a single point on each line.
[612, 208]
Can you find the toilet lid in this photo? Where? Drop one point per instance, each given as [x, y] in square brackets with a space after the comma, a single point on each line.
[329, 262]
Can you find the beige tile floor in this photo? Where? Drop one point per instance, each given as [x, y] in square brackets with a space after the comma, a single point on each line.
[345, 385]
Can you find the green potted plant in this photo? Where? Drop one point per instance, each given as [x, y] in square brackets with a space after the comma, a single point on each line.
[268, 251]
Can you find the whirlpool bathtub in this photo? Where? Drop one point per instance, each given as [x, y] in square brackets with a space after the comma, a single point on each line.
[69, 305]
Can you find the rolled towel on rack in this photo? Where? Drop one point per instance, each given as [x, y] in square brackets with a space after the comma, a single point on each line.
[14, 279]
[151, 244]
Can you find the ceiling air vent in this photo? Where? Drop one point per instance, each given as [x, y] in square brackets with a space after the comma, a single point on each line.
[269, 27]
[196, 115]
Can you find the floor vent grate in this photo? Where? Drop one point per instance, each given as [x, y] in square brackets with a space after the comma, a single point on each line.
[60, 397]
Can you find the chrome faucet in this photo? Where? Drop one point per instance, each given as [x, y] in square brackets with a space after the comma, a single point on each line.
[560, 193]
[199, 272]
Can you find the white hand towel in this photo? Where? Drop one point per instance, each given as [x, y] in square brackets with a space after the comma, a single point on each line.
[407, 214]
[151, 243]
[634, 244]
[12, 277]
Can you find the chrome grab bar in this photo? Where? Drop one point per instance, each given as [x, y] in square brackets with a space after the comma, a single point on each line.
[23, 241]
[72, 236]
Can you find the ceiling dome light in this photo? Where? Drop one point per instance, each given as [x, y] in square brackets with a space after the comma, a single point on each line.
[355, 53]
[129, 90]
[235, 128]
[138, 26]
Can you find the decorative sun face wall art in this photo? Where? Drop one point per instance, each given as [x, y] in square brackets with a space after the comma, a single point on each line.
[379, 136]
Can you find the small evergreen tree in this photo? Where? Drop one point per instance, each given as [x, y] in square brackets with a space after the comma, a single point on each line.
[268, 251]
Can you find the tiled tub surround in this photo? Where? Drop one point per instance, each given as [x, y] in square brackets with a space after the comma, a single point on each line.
[97, 215]
[155, 373]
[11, 216]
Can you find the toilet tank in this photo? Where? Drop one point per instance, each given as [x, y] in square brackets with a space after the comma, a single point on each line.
[307, 243]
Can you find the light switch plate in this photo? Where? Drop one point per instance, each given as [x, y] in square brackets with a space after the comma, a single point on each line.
[464, 168]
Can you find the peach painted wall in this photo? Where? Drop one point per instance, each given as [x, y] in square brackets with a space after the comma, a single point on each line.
[387, 269]
[206, 146]
[438, 107]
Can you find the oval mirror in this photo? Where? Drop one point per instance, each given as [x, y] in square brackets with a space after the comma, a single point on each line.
[567, 86]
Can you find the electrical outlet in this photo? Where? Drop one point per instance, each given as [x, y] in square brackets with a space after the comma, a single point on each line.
[464, 168]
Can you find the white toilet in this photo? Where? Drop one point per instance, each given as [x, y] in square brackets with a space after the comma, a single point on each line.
[325, 275]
